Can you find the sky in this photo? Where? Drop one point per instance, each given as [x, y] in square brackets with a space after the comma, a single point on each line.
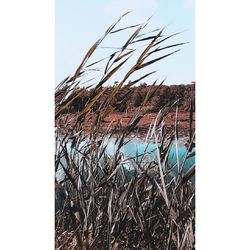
[79, 23]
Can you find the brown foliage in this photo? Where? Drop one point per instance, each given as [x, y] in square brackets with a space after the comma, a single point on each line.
[126, 100]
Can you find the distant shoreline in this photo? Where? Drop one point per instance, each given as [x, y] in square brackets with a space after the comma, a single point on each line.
[123, 119]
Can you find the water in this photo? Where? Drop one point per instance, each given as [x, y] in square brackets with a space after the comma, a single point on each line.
[137, 147]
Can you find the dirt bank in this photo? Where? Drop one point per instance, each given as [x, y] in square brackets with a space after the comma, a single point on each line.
[122, 119]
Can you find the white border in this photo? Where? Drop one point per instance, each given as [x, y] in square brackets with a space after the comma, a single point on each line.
[27, 137]
[222, 177]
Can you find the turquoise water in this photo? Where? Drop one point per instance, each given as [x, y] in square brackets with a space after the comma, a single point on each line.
[137, 147]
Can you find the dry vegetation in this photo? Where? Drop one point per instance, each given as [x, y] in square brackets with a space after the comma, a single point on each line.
[100, 204]
[129, 101]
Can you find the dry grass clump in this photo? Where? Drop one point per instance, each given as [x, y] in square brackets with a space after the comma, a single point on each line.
[100, 203]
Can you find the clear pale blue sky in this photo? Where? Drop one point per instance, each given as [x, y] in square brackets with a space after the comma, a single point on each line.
[79, 23]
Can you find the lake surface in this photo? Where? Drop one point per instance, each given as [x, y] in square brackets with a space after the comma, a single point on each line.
[136, 147]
